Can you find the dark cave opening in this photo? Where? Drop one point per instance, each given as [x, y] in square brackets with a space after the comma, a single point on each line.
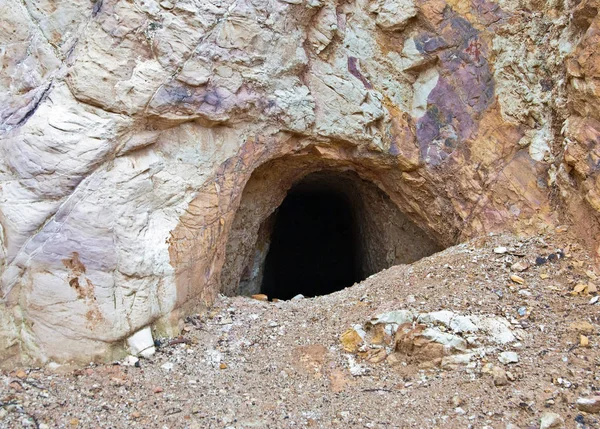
[314, 245]
[315, 233]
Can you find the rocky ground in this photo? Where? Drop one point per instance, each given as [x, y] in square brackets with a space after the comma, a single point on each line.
[500, 332]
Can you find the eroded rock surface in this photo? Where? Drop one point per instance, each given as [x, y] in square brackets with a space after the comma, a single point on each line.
[130, 130]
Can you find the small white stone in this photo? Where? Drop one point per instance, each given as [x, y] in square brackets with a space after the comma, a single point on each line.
[500, 250]
[551, 421]
[298, 297]
[141, 343]
[167, 366]
[130, 361]
[594, 299]
[508, 357]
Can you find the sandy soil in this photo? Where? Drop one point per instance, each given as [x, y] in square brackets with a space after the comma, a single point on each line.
[254, 364]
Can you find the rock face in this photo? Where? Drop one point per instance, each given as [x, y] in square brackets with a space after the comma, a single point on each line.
[129, 131]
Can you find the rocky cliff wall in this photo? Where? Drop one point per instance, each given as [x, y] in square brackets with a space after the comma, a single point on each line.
[129, 130]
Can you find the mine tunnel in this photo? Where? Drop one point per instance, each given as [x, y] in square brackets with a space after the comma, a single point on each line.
[314, 244]
[329, 230]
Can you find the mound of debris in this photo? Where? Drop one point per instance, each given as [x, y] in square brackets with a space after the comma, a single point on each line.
[494, 333]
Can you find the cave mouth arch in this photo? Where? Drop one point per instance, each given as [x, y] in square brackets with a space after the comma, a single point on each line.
[298, 231]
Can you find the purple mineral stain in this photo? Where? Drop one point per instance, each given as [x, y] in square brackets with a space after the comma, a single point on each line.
[354, 71]
[464, 90]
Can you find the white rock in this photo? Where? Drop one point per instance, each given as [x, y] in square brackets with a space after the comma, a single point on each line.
[508, 357]
[130, 361]
[442, 317]
[497, 328]
[451, 341]
[500, 250]
[551, 421]
[141, 343]
[355, 368]
[298, 297]
[462, 324]
[168, 366]
[398, 317]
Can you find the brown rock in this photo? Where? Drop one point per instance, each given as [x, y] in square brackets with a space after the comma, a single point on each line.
[499, 376]
[590, 404]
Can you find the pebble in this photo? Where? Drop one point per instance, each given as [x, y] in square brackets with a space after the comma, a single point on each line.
[130, 361]
[551, 420]
[167, 366]
[499, 376]
[590, 404]
[508, 357]
[500, 250]
[260, 297]
[594, 300]
[517, 279]
[519, 266]
[298, 297]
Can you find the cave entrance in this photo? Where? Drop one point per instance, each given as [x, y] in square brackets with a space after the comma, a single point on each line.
[314, 243]
[314, 233]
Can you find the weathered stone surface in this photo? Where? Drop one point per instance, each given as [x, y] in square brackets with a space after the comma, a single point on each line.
[129, 131]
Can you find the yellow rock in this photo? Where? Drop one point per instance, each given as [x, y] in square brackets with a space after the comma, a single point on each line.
[579, 288]
[517, 279]
[591, 288]
[350, 340]
[223, 365]
[584, 341]
[260, 297]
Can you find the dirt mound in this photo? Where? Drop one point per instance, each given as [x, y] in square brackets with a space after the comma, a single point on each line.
[416, 345]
